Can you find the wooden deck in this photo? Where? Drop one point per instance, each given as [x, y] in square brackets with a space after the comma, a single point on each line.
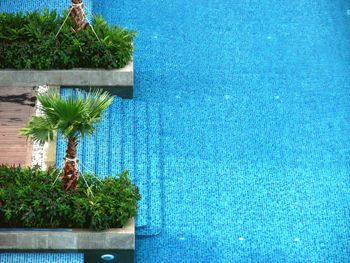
[17, 105]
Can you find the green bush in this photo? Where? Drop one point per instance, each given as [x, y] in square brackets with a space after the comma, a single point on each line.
[28, 198]
[29, 42]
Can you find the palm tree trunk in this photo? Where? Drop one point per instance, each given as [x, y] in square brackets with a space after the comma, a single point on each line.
[70, 173]
[77, 16]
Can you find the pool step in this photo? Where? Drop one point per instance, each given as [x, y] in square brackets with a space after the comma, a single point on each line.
[154, 174]
[127, 138]
[102, 145]
[140, 158]
[116, 132]
[134, 144]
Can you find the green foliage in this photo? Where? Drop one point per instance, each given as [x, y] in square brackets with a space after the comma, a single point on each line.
[72, 117]
[39, 129]
[29, 42]
[28, 198]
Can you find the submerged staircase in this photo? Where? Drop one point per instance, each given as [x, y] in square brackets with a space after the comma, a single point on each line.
[127, 138]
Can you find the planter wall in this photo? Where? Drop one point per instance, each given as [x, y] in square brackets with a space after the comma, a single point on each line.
[118, 81]
[119, 242]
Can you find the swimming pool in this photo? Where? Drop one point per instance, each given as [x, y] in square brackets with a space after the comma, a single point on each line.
[252, 127]
[255, 116]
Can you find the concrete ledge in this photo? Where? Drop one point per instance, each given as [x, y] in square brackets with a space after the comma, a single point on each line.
[69, 240]
[122, 79]
[70, 77]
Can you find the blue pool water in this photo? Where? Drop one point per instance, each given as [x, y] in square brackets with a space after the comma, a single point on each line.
[31, 5]
[255, 110]
[248, 105]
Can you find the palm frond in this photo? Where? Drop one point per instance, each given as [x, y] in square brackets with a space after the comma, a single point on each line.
[38, 129]
[48, 101]
[73, 116]
[96, 102]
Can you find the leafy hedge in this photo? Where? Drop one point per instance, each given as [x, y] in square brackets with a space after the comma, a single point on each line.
[29, 42]
[28, 198]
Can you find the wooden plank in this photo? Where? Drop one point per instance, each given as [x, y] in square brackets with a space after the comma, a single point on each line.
[16, 107]
[20, 150]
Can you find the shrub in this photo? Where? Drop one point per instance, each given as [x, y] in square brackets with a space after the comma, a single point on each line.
[28, 198]
[29, 42]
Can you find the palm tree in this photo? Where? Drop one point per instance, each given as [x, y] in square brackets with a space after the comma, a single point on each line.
[77, 15]
[73, 118]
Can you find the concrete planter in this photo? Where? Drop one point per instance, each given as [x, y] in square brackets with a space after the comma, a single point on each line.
[119, 242]
[119, 81]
